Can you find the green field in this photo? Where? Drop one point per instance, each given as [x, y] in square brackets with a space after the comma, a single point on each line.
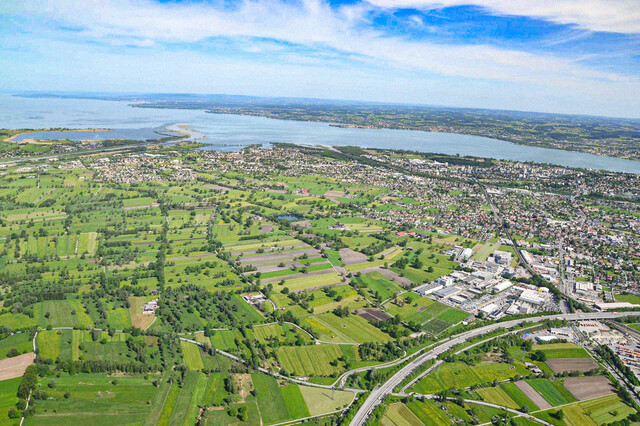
[17, 321]
[399, 414]
[429, 413]
[599, 411]
[351, 329]
[517, 396]
[312, 360]
[271, 403]
[192, 357]
[411, 307]
[553, 392]
[379, 285]
[312, 281]
[460, 375]
[20, 342]
[321, 401]
[8, 399]
[94, 399]
[61, 313]
[49, 344]
[497, 395]
[562, 350]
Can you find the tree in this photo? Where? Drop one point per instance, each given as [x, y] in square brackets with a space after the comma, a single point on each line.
[539, 356]
[12, 352]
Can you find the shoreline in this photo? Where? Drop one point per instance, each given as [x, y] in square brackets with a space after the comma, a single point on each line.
[12, 138]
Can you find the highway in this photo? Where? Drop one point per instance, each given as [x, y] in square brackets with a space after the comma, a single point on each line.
[379, 393]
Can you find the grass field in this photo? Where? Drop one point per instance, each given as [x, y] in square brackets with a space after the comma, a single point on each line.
[553, 392]
[20, 342]
[214, 391]
[225, 339]
[631, 298]
[461, 375]
[185, 411]
[118, 318]
[61, 313]
[399, 414]
[279, 332]
[17, 321]
[192, 357]
[351, 329]
[271, 404]
[49, 344]
[562, 350]
[294, 401]
[413, 307]
[312, 360]
[96, 400]
[312, 281]
[497, 395]
[517, 396]
[429, 413]
[379, 285]
[599, 411]
[8, 399]
[483, 253]
[320, 401]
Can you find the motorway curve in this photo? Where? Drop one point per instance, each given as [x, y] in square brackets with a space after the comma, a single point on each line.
[379, 393]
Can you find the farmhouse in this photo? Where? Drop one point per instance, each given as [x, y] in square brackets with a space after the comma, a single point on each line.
[150, 307]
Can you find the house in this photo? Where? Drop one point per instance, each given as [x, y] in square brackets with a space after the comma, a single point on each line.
[254, 298]
[150, 307]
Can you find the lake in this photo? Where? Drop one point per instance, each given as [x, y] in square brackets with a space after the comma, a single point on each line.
[232, 132]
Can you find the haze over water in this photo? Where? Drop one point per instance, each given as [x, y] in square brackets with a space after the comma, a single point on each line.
[232, 132]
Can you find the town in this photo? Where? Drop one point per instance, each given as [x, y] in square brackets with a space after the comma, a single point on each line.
[321, 273]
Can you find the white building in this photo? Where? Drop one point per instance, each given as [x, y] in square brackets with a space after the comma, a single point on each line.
[489, 309]
[466, 253]
[533, 297]
[503, 286]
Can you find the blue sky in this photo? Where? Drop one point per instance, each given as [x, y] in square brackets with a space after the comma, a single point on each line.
[568, 56]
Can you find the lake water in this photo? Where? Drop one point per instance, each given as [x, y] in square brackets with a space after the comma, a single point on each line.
[96, 135]
[231, 132]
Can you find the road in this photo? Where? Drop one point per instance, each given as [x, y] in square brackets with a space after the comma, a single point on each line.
[378, 394]
[265, 371]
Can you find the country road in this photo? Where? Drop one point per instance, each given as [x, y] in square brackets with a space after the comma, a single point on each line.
[378, 394]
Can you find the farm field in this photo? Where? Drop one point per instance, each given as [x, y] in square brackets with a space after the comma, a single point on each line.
[414, 308]
[310, 360]
[192, 357]
[351, 329]
[126, 401]
[399, 414]
[8, 399]
[296, 260]
[460, 375]
[21, 343]
[599, 411]
[552, 391]
[562, 350]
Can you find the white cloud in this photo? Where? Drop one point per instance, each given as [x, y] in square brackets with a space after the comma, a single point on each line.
[618, 16]
[299, 48]
[311, 23]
